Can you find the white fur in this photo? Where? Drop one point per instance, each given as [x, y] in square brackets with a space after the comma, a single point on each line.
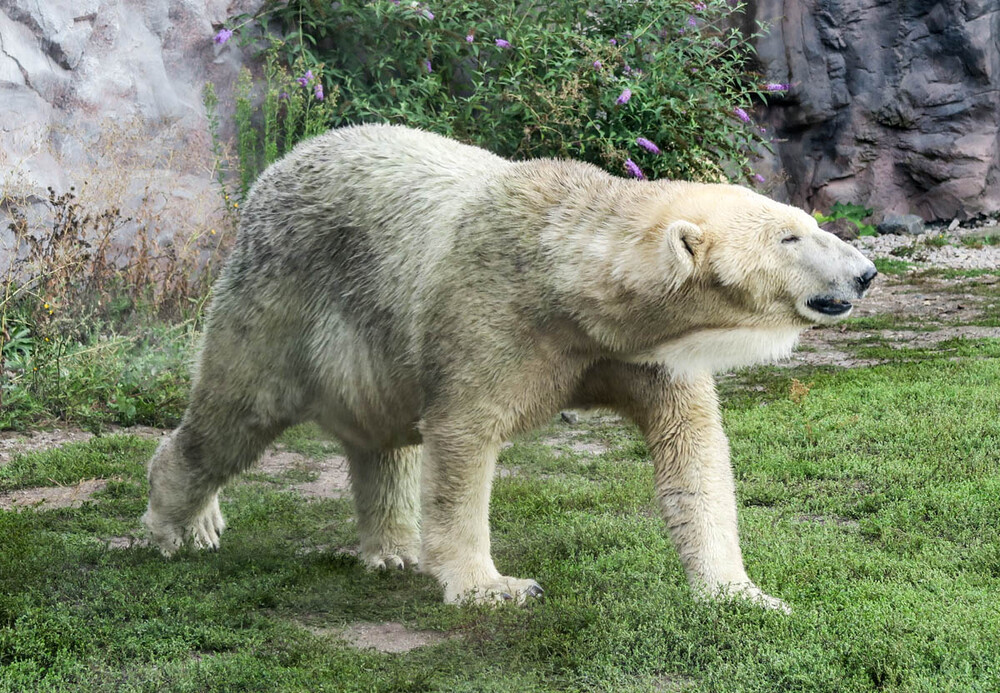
[714, 351]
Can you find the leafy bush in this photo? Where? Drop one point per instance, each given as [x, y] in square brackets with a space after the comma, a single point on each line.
[74, 280]
[658, 88]
[857, 214]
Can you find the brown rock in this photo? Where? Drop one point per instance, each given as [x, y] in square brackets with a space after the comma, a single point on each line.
[844, 229]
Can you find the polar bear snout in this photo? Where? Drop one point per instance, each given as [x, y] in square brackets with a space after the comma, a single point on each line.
[849, 275]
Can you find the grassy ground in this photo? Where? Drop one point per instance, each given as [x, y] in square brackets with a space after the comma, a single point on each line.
[868, 502]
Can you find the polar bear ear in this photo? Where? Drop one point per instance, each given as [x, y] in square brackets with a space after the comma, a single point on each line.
[683, 243]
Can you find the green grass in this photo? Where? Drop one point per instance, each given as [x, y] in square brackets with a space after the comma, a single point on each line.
[870, 506]
[892, 265]
[980, 241]
[885, 321]
[952, 273]
[100, 381]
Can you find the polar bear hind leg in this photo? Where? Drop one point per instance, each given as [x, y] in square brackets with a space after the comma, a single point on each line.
[386, 485]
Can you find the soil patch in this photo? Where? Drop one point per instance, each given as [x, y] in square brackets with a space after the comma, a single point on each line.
[388, 637]
[14, 443]
[126, 542]
[333, 482]
[930, 306]
[569, 442]
[51, 497]
[333, 479]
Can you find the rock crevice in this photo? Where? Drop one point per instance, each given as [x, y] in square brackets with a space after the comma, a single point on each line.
[893, 105]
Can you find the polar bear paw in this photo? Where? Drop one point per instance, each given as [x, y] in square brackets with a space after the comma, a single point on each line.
[202, 532]
[396, 559]
[504, 590]
[206, 528]
[749, 592]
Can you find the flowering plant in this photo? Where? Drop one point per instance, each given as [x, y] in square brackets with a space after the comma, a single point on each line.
[661, 88]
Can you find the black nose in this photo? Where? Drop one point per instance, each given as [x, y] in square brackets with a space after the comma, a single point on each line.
[865, 280]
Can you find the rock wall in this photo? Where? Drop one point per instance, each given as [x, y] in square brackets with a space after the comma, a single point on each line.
[106, 96]
[893, 104]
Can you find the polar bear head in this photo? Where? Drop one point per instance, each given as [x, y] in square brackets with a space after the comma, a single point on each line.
[773, 254]
[749, 273]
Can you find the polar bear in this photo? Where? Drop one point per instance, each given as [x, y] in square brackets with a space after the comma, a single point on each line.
[424, 300]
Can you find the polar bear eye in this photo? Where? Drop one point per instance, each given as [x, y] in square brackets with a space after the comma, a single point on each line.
[790, 239]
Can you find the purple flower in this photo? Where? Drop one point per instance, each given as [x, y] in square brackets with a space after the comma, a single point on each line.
[699, 6]
[427, 13]
[627, 70]
[633, 169]
[469, 38]
[283, 96]
[759, 178]
[305, 79]
[613, 42]
[777, 87]
[692, 21]
[741, 114]
[318, 90]
[223, 36]
[624, 97]
[503, 43]
[597, 64]
[427, 66]
[647, 145]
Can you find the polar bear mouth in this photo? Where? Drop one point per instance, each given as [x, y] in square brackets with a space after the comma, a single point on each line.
[828, 305]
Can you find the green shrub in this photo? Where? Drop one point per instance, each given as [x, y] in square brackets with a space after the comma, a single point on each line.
[853, 213]
[663, 87]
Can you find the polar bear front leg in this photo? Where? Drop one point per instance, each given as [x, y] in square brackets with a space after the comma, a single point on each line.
[456, 482]
[695, 488]
[694, 481]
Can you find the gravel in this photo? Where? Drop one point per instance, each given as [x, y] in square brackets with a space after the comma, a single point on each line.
[927, 253]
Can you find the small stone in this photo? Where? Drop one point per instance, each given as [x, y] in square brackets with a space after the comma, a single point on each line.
[844, 229]
[953, 225]
[570, 417]
[901, 225]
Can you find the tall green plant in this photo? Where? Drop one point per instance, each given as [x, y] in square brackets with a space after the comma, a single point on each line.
[270, 123]
[659, 88]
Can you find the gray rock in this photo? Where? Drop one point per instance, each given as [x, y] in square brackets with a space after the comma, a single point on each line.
[901, 225]
[892, 106]
[105, 95]
[570, 417]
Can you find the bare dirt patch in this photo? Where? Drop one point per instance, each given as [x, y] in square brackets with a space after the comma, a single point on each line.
[332, 481]
[278, 461]
[123, 543]
[387, 637]
[51, 497]
[14, 443]
[926, 312]
[569, 441]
